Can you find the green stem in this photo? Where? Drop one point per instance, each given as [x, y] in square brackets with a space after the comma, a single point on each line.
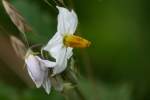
[80, 94]
[74, 94]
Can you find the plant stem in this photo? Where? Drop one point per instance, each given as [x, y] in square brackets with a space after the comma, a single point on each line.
[74, 94]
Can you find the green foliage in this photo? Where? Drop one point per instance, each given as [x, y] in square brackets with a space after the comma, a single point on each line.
[9, 93]
[99, 91]
[40, 18]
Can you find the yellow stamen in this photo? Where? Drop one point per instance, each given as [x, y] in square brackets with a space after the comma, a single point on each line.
[76, 41]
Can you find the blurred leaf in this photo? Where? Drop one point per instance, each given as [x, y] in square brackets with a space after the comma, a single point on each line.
[16, 18]
[40, 16]
[102, 91]
[18, 47]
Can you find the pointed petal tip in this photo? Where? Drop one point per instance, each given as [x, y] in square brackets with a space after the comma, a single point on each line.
[47, 85]
[37, 84]
[47, 91]
[58, 7]
[62, 9]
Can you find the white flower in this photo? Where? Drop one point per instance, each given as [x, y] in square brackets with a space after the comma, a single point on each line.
[59, 47]
[38, 71]
[67, 23]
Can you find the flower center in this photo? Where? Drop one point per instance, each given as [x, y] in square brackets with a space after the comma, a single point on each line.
[76, 41]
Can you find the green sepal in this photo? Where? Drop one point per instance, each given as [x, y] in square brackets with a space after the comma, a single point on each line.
[46, 55]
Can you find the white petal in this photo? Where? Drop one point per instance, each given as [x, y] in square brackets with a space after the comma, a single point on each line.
[67, 21]
[47, 85]
[35, 71]
[54, 45]
[69, 52]
[45, 63]
[56, 39]
[61, 62]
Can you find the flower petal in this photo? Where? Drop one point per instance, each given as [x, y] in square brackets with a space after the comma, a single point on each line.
[69, 52]
[67, 21]
[47, 85]
[61, 62]
[56, 39]
[35, 71]
[54, 45]
[45, 63]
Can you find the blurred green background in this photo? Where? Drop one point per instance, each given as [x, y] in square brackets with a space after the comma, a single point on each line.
[115, 67]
